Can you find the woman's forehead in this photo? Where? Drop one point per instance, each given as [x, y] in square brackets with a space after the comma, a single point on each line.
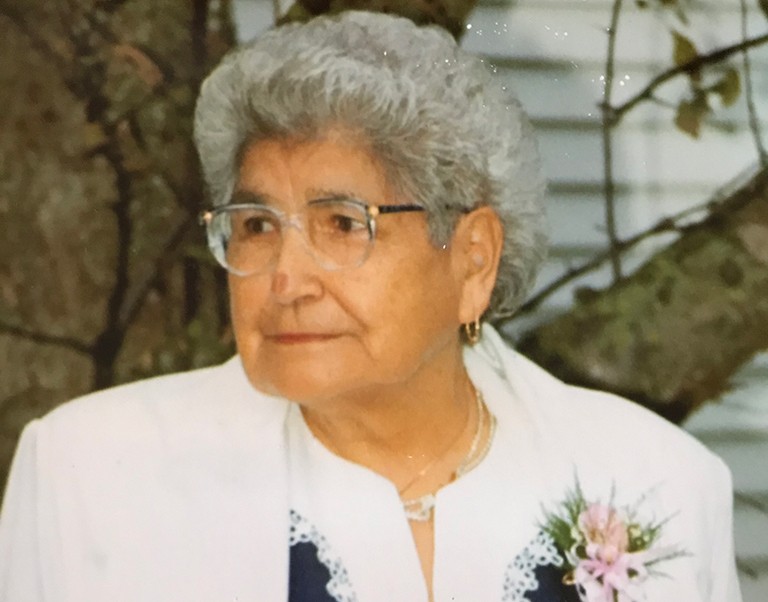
[279, 170]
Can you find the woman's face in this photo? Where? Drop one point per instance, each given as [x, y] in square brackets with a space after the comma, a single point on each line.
[309, 334]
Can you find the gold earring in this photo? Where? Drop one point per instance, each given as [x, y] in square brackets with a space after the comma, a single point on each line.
[474, 331]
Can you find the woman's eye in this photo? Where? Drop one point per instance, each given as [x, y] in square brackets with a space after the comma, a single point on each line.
[258, 225]
[345, 223]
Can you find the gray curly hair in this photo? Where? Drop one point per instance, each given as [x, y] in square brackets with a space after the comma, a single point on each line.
[447, 135]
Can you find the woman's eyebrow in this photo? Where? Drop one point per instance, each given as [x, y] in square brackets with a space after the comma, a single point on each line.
[314, 194]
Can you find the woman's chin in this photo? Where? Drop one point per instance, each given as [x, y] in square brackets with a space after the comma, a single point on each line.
[301, 384]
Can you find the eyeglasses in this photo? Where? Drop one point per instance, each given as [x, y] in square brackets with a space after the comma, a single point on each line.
[246, 238]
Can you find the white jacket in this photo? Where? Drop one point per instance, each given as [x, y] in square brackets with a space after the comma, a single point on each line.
[177, 489]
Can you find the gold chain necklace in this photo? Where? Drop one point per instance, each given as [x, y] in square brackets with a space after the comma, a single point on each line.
[426, 469]
[420, 509]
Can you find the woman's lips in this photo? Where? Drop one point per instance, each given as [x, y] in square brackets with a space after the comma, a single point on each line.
[297, 338]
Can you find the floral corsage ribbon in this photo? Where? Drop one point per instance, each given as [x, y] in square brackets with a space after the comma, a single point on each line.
[608, 553]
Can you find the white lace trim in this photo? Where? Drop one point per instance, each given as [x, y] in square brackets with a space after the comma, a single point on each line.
[520, 577]
[302, 531]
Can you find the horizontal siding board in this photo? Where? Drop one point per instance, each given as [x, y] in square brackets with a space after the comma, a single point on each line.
[570, 93]
[580, 224]
[567, 34]
[579, 221]
[747, 461]
[666, 157]
[573, 220]
[743, 409]
[574, 33]
[754, 585]
[751, 531]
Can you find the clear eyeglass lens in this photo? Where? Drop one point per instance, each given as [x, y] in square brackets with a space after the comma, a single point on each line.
[247, 240]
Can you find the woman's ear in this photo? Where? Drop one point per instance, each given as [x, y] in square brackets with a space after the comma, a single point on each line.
[477, 244]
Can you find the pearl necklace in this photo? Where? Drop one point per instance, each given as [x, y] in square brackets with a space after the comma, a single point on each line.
[420, 509]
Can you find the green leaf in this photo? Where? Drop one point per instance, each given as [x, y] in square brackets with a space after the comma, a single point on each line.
[684, 50]
[728, 87]
[691, 114]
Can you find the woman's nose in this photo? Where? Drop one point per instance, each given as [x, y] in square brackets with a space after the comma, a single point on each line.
[295, 274]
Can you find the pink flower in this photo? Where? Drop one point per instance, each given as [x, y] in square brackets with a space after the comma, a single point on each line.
[609, 572]
[595, 550]
[610, 581]
[605, 532]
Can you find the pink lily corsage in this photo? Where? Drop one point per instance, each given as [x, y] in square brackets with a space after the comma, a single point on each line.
[607, 552]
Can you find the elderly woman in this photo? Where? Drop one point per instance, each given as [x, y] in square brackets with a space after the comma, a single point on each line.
[376, 197]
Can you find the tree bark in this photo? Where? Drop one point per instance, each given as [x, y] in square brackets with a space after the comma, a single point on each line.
[670, 335]
[449, 14]
[99, 186]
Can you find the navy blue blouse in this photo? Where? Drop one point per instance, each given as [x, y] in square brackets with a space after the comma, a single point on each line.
[310, 577]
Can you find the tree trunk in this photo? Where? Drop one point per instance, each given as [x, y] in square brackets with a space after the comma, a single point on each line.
[672, 334]
[449, 14]
[98, 193]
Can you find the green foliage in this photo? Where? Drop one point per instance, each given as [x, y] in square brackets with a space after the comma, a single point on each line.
[563, 526]
[728, 87]
[559, 523]
[642, 535]
[693, 110]
[691, 113]
[684, 50]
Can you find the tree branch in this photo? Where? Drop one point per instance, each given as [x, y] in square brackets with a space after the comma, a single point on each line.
[45, 338]
[609, 188]
[667, 224]
[617, 113]
[198, 34]
[110, 340]
[134, 302]
[657, 337]
[91, 78]
[754, 121]
[752, 502]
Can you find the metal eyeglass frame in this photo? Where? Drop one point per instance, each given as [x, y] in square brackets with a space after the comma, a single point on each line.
[371, 213]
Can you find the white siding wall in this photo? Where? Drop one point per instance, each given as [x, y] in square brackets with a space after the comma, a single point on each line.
[552, 53]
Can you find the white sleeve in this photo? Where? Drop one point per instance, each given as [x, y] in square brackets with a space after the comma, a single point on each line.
[20, 571]
[725, 582]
